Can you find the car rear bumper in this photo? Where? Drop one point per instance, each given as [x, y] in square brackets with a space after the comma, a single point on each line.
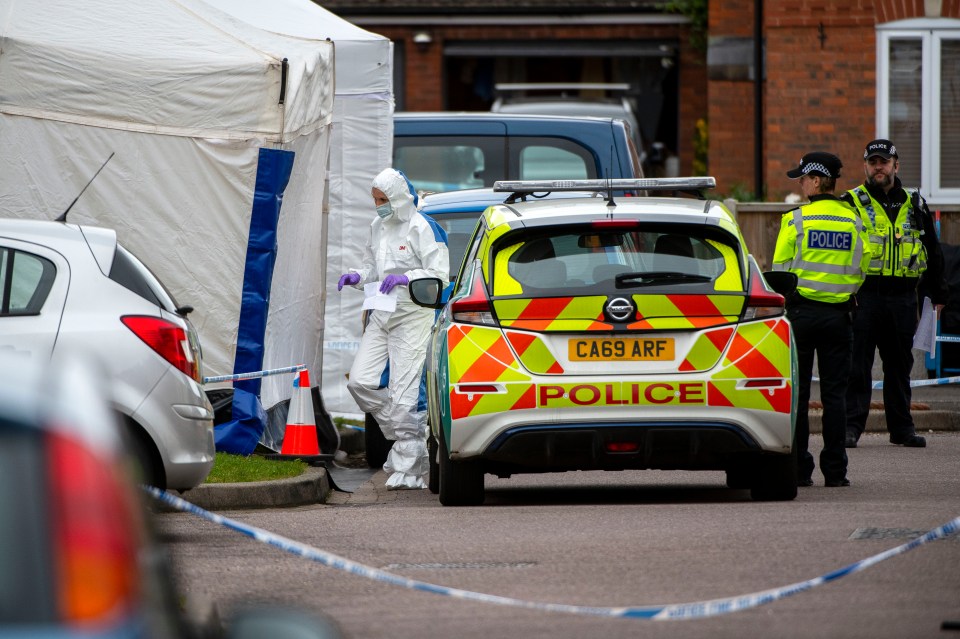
[188, 465]
[179, 418]
[618, 446]
[666, 437]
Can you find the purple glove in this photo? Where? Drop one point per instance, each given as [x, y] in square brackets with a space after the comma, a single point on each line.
[393, 280]
[348, 279]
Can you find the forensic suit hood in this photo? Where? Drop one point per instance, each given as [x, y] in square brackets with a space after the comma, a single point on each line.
[403, 243]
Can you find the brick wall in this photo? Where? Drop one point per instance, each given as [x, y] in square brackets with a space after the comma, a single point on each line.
[731, 136]
[424, 66]
[820, 88]
[731, 105]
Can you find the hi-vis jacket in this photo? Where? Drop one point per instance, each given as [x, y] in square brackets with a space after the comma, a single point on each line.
[895, 248]
[824, 244]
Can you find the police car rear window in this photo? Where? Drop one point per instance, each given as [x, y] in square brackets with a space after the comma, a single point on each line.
[591, 259]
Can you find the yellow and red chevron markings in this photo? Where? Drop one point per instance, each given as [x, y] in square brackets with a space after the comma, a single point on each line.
[706, 351]
[477, 354]
[517, 397]
[484, 356]
[480, 354]
[758, 350]
[679, 312]
[534, 354]
[553, 313]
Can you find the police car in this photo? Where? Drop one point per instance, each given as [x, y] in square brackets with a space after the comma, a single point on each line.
[609, 333]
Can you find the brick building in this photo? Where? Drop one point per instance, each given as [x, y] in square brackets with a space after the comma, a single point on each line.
[449, 54]
[837, 73]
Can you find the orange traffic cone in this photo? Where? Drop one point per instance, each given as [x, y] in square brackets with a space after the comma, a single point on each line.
[300, 433]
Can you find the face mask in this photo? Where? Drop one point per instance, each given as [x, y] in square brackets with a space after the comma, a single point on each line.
[384, 210]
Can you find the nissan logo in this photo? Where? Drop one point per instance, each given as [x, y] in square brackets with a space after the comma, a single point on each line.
[620, 309]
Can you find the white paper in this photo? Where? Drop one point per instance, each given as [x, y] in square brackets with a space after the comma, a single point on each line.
[377, 301]
[925, 339]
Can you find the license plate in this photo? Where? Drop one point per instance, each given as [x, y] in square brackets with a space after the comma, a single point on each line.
[624, 349]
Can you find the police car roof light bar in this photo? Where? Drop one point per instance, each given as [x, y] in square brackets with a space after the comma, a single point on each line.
[561, 86]
[686, 184]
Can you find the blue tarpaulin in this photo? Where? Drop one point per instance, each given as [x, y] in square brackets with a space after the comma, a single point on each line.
[241, 434]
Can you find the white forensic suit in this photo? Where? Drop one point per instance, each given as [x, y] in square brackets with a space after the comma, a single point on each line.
[403, 243]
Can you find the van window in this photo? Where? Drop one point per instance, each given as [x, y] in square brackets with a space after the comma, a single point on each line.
[551, 163]
[448, 163]
[439, 163]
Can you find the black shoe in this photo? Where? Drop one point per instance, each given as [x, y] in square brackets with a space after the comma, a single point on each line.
[805, 483]
[910, 441]
[836, 483]
[851, 441]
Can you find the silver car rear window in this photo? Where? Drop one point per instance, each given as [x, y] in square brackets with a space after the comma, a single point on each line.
[133, 275]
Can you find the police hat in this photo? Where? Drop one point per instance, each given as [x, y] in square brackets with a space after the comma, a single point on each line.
[881, 147]
[819, 163]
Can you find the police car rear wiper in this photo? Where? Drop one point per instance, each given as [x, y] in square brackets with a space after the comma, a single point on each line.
[649, 278]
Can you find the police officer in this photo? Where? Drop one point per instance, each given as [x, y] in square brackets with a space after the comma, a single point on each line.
[823, 243]
[905, 254]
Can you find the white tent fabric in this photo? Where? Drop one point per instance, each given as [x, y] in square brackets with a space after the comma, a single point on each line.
[158, 67]
[362, 146]
[189, 100]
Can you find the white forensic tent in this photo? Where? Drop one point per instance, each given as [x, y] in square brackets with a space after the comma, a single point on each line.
[361, 147]
[221, 137]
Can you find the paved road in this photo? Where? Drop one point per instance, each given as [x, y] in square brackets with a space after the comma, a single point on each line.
[607, 539]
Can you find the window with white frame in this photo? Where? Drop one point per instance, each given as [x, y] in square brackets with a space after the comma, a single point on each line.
[918, 102]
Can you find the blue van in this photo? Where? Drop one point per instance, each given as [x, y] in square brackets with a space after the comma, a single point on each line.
[453, 151]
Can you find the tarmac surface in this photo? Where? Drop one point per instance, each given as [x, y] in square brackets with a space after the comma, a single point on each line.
[935, 408]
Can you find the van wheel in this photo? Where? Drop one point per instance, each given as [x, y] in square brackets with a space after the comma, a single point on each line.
[461, 482]
[377, 446]
[776, 478]
[433, 483]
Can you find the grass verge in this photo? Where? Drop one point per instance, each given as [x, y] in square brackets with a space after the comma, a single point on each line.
[228, 469]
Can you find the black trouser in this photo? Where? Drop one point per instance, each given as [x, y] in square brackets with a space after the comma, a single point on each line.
[824, 330]
[885, 321]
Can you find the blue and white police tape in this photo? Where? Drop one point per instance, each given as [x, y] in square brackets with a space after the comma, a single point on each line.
[924, 382]
[254, 374]
[940, 381]
[693, 610]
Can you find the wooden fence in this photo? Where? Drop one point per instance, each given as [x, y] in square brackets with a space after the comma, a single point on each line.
[760, 223]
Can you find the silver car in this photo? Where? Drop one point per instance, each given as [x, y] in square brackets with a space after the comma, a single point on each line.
[64, 286]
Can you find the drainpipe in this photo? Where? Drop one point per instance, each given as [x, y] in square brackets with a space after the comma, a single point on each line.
[758, 73]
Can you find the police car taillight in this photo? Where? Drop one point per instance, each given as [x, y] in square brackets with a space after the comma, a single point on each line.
[761, 301]
[474, 308]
